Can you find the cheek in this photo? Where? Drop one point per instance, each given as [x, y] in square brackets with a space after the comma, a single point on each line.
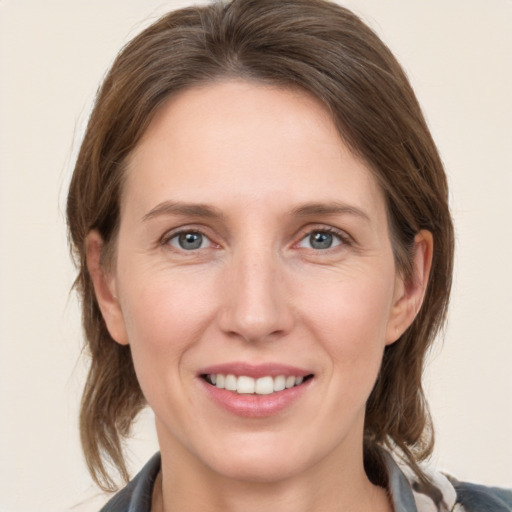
[164, 319]
[350, 318]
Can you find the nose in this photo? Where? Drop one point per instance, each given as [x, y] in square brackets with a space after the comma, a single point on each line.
[255, 304]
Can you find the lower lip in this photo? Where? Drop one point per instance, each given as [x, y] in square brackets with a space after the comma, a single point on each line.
[252, 405]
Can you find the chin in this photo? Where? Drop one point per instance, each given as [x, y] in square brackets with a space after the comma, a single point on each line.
[263, 460]
[258, 469]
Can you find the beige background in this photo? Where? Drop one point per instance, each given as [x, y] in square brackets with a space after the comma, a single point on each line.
[458, 54]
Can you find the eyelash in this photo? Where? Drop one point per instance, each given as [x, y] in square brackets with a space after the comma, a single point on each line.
[343, 238]
[166, 239]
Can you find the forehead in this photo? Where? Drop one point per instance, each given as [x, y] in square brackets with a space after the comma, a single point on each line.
[256, 140]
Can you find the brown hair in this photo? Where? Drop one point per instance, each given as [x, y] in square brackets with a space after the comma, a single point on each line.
[327, 51]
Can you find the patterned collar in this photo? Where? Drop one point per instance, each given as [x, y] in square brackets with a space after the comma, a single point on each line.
[408, 496]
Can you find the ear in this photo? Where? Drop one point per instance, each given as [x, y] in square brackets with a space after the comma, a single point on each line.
[105, 288]
[408, 296]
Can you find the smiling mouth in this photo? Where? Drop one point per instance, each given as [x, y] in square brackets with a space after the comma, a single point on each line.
[245, 385]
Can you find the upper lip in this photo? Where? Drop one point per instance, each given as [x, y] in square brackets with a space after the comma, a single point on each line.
[255, 370]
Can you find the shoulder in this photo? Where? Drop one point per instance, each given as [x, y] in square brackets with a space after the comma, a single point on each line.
[136, 496]
[447, 494]
[481, 498]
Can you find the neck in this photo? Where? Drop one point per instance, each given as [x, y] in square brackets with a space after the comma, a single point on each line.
[330, 485]
[252, 498]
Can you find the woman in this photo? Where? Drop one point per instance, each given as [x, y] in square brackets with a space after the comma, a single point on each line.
[265, 251]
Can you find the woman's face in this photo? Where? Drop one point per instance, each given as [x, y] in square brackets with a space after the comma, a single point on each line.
[253, 251]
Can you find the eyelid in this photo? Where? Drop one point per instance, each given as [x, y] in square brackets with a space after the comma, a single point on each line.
[179, 239]
[345, 238]
[174, 232]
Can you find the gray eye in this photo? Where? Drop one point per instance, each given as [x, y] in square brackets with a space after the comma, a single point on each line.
[321, 240]
[189, 241]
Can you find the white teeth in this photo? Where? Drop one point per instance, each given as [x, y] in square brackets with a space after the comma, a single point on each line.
[247, 385]
[230, 383]
[264, 386]
[290, 382]
[279, 383]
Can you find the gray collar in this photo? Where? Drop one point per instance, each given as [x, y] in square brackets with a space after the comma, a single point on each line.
[399, 487]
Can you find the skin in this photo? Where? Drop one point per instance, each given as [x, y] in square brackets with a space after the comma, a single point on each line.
[258, 291]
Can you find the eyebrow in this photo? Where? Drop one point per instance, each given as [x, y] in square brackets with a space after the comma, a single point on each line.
[168, 208]
[331, 208]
